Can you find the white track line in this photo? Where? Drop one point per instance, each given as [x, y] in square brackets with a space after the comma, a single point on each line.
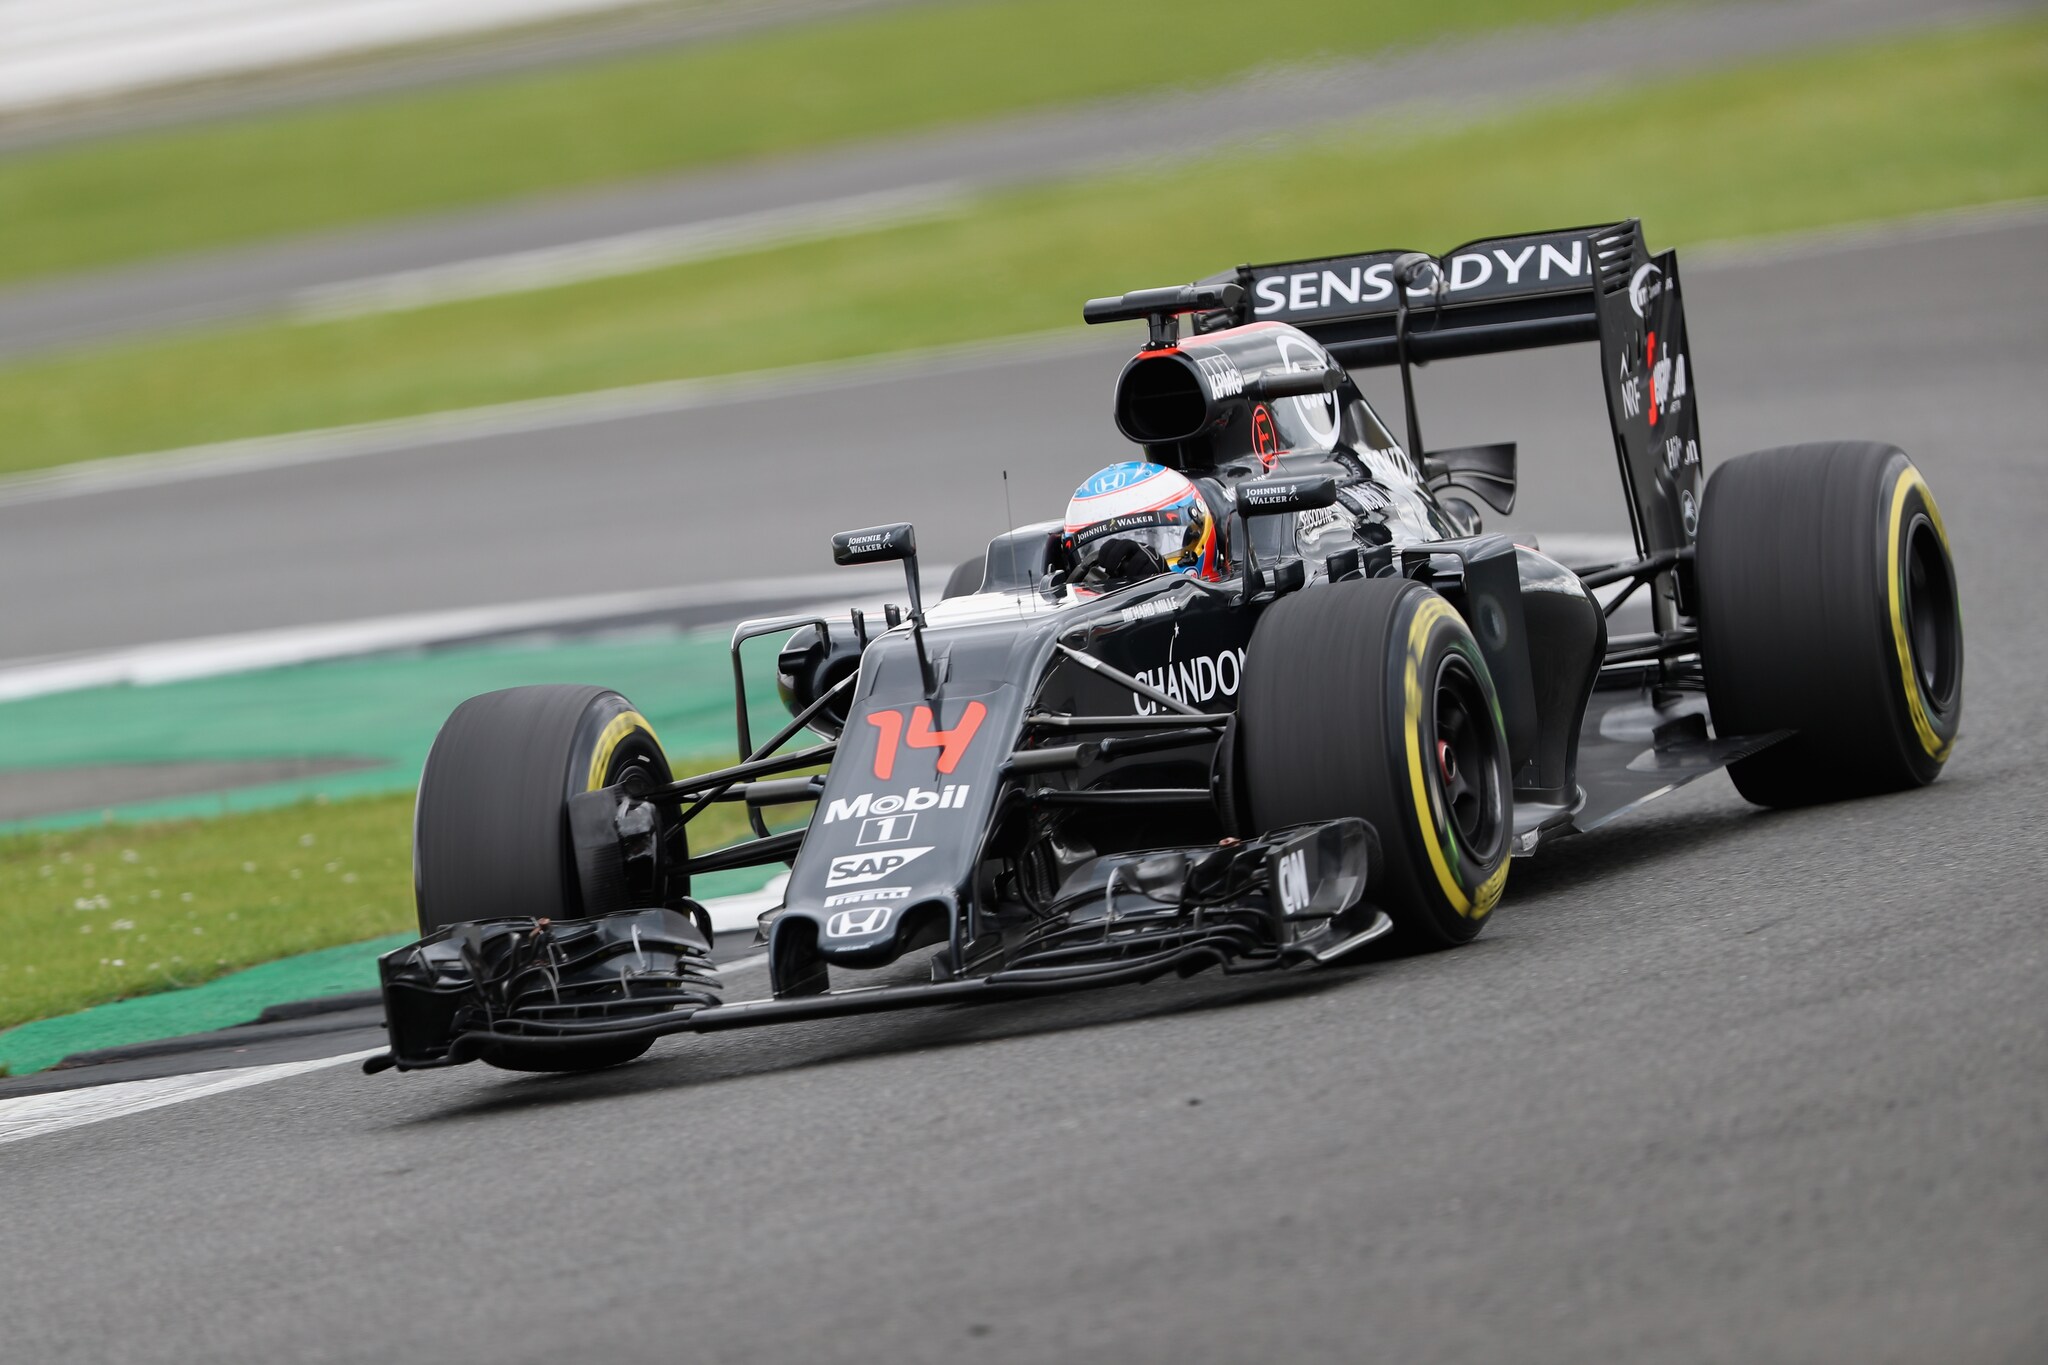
[79, 49]
[627, 253]
[668, 396]
[33, 1115]
[262, 453]
[216, 655]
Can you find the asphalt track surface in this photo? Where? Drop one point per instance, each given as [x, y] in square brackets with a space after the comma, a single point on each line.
[1450, 79]
[756, 486]
[1716, 1084]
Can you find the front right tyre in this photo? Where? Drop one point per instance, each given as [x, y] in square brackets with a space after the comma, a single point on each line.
[1369, 698]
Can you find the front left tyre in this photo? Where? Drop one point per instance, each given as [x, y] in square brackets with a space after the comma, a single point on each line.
[491, 828]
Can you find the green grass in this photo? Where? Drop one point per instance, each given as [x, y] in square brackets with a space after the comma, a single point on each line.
[99, 914]
[108, 913]
[1852, 135]
[771, 92]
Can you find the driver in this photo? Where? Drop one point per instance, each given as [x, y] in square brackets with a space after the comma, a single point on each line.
[1133, 520]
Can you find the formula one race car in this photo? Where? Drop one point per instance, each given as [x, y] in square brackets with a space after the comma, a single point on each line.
[1263, 696]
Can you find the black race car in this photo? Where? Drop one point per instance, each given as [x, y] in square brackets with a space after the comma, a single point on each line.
[1057, 777]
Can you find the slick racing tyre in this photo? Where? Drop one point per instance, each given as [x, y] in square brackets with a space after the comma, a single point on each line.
[491, 829]
[1369, 698]
[491, 833]
[1828, 607]
[966, 577]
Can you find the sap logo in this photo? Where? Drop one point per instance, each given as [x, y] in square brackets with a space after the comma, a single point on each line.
[872, 893]
[1194, 680]
[854, 868]
[1644, 287]
[1224, 379]
[952, 796]
[1293, 879]
[853, 923]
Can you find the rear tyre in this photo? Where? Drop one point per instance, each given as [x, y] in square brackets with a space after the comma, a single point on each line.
[966, 577]
[1369, 698]
[1828, 607]
[491, 829]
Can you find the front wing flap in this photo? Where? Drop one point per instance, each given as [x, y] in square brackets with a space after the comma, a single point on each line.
[508, 986]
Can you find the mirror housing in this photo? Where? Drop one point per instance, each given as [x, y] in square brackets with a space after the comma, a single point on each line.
[880, 545]
[1285, 493]
[875, 544]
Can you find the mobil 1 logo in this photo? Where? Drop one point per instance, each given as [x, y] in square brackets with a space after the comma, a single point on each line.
[885, 829]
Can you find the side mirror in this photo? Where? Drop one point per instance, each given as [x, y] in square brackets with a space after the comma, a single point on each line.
[1286, 493]
[879, 545]
[1488, 471]
[875, 545]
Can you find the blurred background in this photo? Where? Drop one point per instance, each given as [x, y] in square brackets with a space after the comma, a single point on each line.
[357, 356]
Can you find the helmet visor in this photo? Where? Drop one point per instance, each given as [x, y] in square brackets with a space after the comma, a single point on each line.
[1180, 536]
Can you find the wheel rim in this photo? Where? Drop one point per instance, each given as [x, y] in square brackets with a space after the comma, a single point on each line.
[1467, 777]
[1933, 633]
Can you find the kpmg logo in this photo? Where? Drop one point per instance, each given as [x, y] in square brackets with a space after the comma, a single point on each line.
[870, 919]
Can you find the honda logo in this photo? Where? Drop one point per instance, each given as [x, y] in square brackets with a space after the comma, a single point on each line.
[870, 919]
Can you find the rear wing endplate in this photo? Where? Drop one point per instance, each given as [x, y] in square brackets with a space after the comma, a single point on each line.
[1509, 293]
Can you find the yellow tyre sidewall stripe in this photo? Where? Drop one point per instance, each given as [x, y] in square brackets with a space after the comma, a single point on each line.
[1428, 614]
[608, 742]
[1908, 481]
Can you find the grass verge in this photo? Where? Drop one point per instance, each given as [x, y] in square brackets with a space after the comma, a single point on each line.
[1857, 134]
[774, 91]
[107, 913]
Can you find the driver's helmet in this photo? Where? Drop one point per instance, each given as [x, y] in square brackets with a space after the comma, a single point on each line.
[1136, 519]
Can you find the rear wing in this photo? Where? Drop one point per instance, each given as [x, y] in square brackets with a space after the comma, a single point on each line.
[1507, 294]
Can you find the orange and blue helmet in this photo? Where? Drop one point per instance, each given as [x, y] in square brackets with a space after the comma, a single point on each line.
[1147, 504]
